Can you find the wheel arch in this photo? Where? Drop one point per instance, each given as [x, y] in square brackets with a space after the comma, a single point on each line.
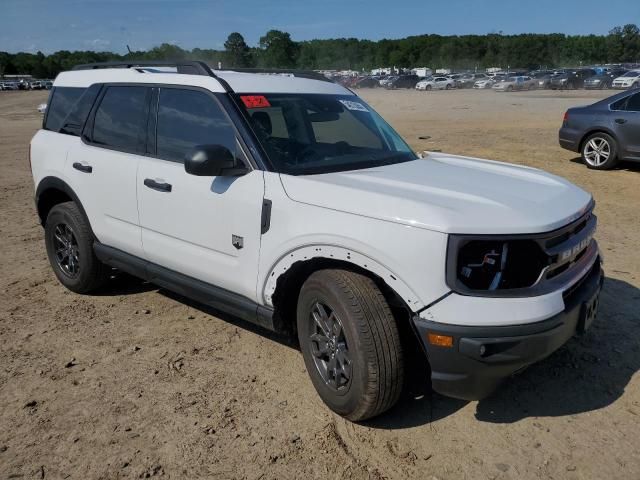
[52, 191]
[593, 130]
[286, 277]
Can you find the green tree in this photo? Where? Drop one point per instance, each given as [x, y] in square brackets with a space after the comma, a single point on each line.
[237, 52]
[278, 50]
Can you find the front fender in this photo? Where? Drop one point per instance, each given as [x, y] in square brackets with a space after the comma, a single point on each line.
[334, 252]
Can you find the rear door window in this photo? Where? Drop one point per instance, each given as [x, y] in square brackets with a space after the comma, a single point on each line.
[62, 101]
[121, 119]
[74, 122]
[187, 118]
[633, 104]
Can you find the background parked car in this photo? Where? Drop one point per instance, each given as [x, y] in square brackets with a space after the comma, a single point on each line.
[367, 82]
[571, 79]
[403, 81]
[602, 80]
[544, 82]
[386, 80]
[469, 79]
[605, 132]
[435, 83]
[511, 84]
[455, 77]
[487, 82]
[631, 79]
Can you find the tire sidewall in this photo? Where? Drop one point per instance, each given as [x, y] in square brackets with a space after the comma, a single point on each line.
[60, 214]
[329, 293]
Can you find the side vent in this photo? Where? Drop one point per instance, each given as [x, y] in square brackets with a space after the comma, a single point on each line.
[265, 221]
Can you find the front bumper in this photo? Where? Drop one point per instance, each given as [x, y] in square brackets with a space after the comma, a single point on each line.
[483, 356]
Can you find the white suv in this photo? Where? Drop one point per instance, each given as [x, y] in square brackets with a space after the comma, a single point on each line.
[288, 202]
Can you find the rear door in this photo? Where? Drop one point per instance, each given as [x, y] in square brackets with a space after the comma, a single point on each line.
[103, 165]
[627, 127]
[208, 228]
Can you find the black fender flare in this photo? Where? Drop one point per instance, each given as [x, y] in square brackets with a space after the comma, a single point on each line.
[55, 183]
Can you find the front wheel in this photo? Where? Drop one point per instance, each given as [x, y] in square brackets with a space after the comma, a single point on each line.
[448, 87]
[350, 343]
[69, 243]
[599, 151]
[428, 88]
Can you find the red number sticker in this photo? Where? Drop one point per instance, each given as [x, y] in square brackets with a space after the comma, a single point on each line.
[255, 101]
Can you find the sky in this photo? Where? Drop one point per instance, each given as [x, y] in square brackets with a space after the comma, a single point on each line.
[51, 25]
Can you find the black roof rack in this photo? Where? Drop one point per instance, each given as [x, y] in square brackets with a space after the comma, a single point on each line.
[282, 71]
[189, 67]
[183, 66]
[194, 67]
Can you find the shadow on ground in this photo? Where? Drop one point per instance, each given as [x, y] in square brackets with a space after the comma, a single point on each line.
[623, 165]
[588, 373]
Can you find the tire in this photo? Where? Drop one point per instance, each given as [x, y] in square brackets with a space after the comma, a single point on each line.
[509, 88]
[77, 267]
[593, 149]
[428, 88]
[447, 87]
[367, 345]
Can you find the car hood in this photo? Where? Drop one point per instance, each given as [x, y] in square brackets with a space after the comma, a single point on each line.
[449, 194]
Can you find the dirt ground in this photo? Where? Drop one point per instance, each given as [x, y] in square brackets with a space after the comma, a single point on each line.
[137, 382]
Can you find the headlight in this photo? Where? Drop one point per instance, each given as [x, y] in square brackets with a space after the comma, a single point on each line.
[485, 265]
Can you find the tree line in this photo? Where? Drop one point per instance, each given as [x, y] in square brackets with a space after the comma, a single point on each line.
[276, 49]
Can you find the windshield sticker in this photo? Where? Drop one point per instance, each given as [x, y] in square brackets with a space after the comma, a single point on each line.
[354, 105]
[255, 101]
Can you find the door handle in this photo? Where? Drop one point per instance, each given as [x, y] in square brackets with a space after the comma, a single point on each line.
[620, 121]
[159, 186]
[83, 168]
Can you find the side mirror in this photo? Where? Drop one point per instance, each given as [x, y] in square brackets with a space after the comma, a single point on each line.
[213, 161]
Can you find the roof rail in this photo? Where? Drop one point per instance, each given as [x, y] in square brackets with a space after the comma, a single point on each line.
[281, 71]
[183, 66]
[189, 67]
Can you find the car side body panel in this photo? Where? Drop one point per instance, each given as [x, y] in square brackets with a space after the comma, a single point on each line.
[300, 232]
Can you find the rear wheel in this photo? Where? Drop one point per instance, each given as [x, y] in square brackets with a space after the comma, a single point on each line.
[69, 244]
[599, 151]
[350, 343]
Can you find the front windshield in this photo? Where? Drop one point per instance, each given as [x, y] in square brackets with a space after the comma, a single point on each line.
[631, 74]
[304, 134]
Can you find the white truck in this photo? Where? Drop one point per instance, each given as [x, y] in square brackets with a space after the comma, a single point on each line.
[287, 201]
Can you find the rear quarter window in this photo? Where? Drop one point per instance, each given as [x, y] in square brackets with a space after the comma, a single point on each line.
[60, 104]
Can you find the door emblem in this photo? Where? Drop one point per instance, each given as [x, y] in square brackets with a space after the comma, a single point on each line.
[237, 241]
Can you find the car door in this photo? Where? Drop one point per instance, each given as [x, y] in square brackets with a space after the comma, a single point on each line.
[627, 126]
[205, 227]
[102, 166]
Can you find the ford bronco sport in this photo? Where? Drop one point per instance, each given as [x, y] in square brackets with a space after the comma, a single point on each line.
[286, 200]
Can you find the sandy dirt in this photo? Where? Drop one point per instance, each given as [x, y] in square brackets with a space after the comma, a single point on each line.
[139, 383]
